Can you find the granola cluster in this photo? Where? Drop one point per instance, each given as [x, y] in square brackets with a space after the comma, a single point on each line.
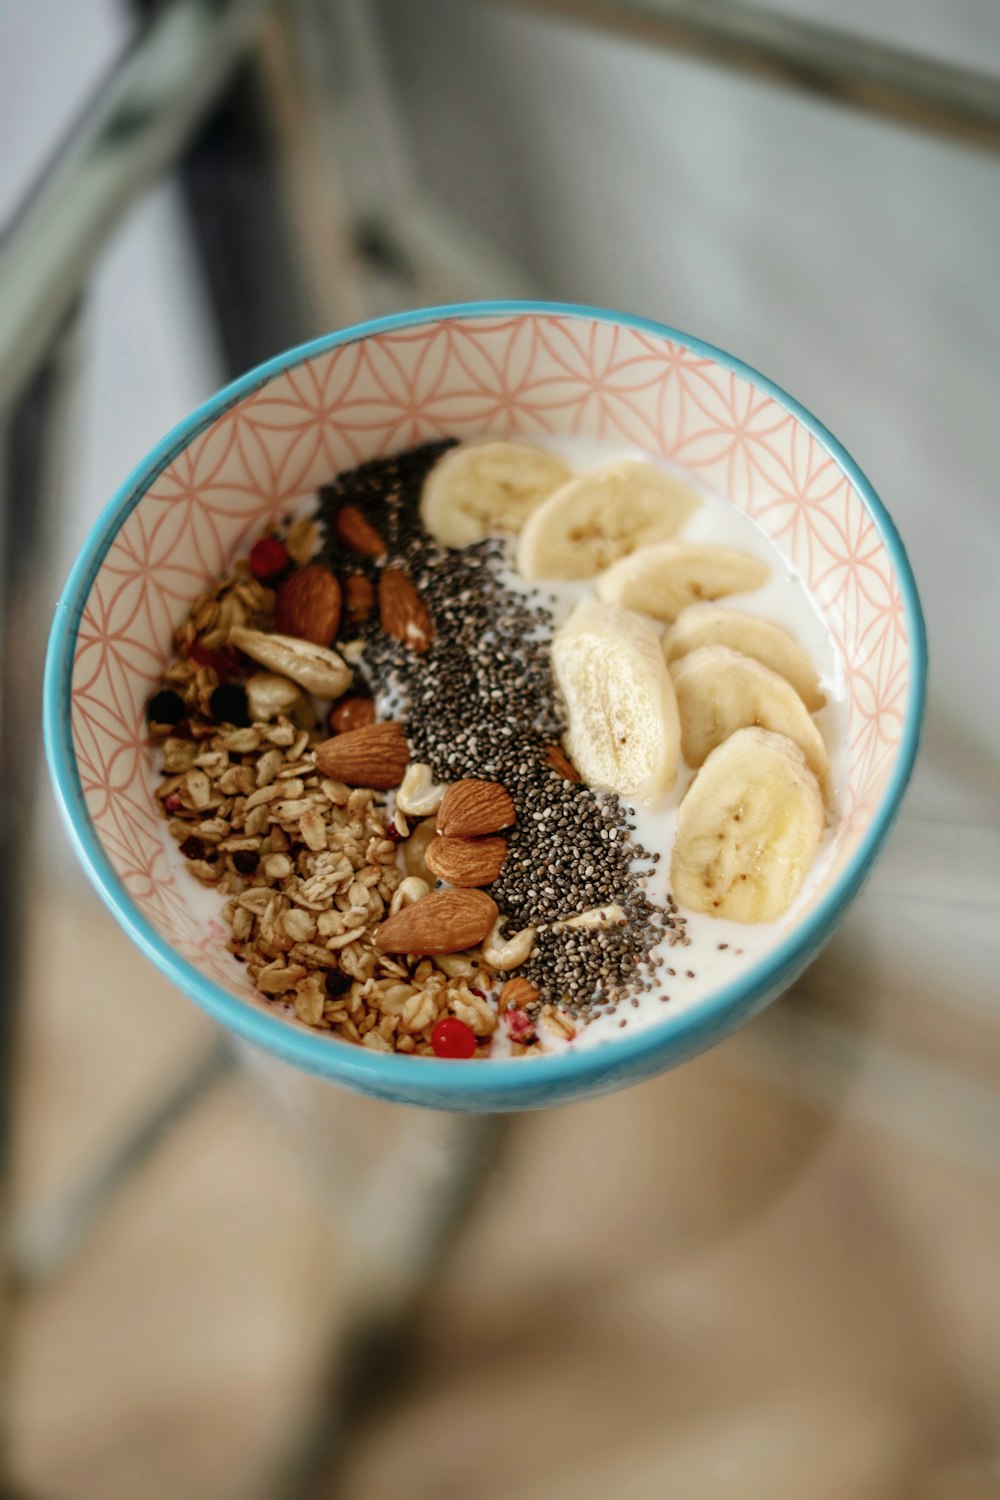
[425, 874]
[309, 866]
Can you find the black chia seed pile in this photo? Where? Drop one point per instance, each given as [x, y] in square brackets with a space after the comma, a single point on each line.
[482, 702]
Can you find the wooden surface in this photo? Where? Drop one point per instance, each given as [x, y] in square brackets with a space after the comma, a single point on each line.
[700, 1287]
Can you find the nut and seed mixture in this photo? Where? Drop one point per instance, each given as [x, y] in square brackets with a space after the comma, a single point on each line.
[424, 881]
[481, 702]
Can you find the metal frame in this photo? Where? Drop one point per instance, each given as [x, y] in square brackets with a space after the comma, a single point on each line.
[822, 61]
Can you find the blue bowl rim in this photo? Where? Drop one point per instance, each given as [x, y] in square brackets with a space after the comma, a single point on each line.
[569, 1073]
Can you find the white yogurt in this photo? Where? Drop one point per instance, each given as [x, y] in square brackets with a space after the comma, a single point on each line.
[719, 950]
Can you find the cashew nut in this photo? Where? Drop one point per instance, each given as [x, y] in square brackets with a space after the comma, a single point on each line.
[508, 953]
[597, 916]
[269, 695]
[455, 965]
[419, 795]
[407, 892]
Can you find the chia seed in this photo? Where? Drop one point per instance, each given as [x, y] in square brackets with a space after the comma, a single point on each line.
[481, 701]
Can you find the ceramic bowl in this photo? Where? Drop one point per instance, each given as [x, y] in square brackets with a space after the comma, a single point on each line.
[512, 369]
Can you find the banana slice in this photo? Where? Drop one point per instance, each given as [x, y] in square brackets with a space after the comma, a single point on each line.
[594, 520]
[720, 691]
[623, 730]
[482, 488]
[748, 829]
[771, 645]
[663, 581]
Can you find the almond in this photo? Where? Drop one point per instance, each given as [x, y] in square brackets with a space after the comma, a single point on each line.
[443, 922]
[308, 605]
[471, 807]
[316, 668]
[561, 763]
[516, 994]
[351, 713]
[359, 598]
[376, 756]
[354, 531]
[402, 610]
[466, 861]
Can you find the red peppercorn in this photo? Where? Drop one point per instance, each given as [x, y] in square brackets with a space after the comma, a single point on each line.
[268, 559]
[452, 1038]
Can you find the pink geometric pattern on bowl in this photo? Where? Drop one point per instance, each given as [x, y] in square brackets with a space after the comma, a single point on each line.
[519, 376]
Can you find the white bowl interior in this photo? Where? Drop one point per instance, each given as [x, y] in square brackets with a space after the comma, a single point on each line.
[525, 375]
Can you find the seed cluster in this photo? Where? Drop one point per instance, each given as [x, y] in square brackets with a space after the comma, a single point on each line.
[481, 701]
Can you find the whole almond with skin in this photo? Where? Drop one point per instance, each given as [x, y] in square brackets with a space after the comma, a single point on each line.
[402, 610]
[355, 531]
[359, 598]
[351, 713]
[471, 807]
[376, 756]
[516, 994]
[560, 762]
[308, 605]
[443, 922]
[466, 861]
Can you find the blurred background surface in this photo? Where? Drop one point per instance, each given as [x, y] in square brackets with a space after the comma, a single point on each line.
[770, 1273]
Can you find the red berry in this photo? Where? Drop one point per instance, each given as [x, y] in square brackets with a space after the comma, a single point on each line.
[268, 559]
[452, 1038]
[223, 662]
[520, 1028]
[173, 803]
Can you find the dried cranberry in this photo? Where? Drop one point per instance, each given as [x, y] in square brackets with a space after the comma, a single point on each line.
[166, 707]
[229, 705]
[223, 663]
[173, 803]
[452, 1038]
[245, 861]
[192, 847]
[268, 559]
[520, 1028]
[337, 983]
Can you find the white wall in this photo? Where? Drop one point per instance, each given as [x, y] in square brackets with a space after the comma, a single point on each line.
[855, 262]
